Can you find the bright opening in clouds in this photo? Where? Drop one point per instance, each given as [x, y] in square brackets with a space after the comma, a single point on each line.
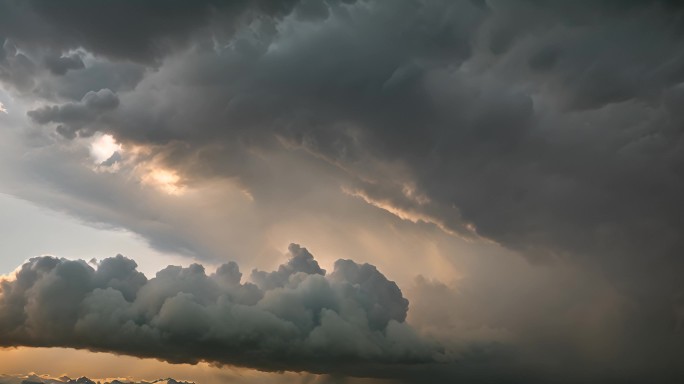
[103, 147]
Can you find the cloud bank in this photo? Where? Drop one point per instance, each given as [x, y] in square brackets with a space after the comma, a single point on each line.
[295, 318]
[45, 379]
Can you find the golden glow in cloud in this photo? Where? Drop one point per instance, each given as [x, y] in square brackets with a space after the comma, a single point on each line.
[408, 215]
[411, 193]
[164, 179]
[3, 109]
[139, 162]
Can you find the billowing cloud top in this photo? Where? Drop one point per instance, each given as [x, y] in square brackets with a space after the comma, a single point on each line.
[295, 318]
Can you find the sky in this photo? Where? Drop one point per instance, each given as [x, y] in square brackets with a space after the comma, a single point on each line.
[342, 191]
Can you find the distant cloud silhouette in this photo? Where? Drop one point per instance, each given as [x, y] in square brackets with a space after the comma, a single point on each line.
[297, 318]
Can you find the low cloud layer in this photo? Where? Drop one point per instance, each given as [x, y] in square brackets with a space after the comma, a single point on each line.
[296, 318]
[45, 379]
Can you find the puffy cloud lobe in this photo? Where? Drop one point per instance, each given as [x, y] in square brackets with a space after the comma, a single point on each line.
[306, 321]
[76, 118]
[382, 301]
[61, 65]
[53, 76]
[301, 262]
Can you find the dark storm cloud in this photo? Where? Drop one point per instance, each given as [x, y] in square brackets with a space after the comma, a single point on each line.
[352, 320]
[130, 32]
[16, 69]
[562, 141]
[141, 31]
[61, 65]
[541, 146]
[69, 76]
[98, 74]
[77, 117]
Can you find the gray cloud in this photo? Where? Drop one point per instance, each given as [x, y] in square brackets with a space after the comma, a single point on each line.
[16, 69]
[351, 321]
[77, 117]
[152, 29]
[98, 73]
[61, 65]
[301, 261]
[552, 128]
[489, 138]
